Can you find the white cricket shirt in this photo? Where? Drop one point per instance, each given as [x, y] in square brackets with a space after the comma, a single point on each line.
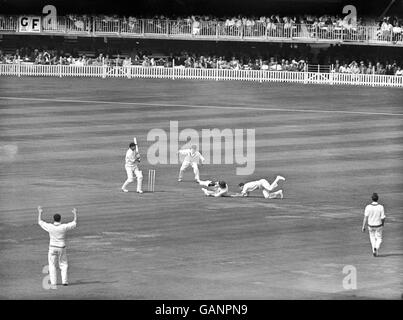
[130, 160]
[375, 213]
[251, 186]
[191, 157]
[57, 232]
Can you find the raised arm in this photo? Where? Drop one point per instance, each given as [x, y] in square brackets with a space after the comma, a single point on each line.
[72, 224]
[40, 210]
[42, 223]
[75, 215]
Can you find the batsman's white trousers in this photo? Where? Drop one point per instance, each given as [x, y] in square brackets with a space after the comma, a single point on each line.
[186, 164]
[266, 184]
[57, 256]
[375, 236]
[133, 171]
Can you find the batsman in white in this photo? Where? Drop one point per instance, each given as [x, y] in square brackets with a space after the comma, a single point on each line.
[57, 245]
[263, 185]
[192, 158]
[131, 165]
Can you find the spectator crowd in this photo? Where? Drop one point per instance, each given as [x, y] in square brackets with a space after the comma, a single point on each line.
[192, 60]
[179, 60]
[325, 26]
[276, 25]
[367, 68]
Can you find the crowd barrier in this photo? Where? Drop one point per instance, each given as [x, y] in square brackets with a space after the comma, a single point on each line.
[200, 74]
[207, 30]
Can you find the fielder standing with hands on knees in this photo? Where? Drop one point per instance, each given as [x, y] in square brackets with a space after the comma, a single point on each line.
[192, 158]
[375, 216]
[57, 245]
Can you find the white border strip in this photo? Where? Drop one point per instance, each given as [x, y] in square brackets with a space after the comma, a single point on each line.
[205, 107]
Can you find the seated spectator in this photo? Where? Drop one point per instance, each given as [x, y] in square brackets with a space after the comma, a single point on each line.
[118, 61]
[362, 67]
[344, 68]
[127, 62]
[100, 59]
[105, 61]
[337, 66]
[399, 72]
[146, 61]
[370, 69]
[70, 59]
[390, 70]
[379, 69]
[354, 67]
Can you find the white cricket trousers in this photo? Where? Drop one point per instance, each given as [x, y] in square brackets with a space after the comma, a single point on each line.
[266, 185]
[57, 256]
[186, 164]
[131, 171]
[375, 236]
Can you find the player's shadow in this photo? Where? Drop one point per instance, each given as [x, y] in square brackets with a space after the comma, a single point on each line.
[150, 192]
[160, 191]
[390, 255]
[77, 283]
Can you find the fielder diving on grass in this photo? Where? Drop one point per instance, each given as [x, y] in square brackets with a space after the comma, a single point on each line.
[263, 185]
[216, 189]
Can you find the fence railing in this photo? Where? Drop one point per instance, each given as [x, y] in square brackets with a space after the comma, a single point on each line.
[186, 29]
[66, 25]
[200, 74]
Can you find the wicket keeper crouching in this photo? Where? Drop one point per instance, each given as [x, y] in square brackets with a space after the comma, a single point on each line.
[131, 165]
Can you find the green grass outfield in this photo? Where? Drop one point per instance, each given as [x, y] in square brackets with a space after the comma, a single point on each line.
[335, 146]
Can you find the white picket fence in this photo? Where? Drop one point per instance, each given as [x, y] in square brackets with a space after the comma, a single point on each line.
[200, 74]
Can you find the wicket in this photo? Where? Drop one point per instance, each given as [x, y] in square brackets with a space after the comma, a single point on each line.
[151, 180]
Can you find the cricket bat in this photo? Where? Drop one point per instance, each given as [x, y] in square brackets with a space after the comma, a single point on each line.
[135, 141]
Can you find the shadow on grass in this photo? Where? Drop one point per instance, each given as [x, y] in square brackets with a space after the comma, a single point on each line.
[77, 283]
[390, 255]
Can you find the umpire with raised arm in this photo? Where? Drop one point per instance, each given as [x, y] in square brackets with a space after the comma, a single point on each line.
[57, 245]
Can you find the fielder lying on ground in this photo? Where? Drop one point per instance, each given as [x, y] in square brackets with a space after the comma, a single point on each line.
[207, 183]
[248, 187]
[218, 189]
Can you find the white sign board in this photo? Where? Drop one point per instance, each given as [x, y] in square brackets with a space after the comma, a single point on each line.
[29, 24]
